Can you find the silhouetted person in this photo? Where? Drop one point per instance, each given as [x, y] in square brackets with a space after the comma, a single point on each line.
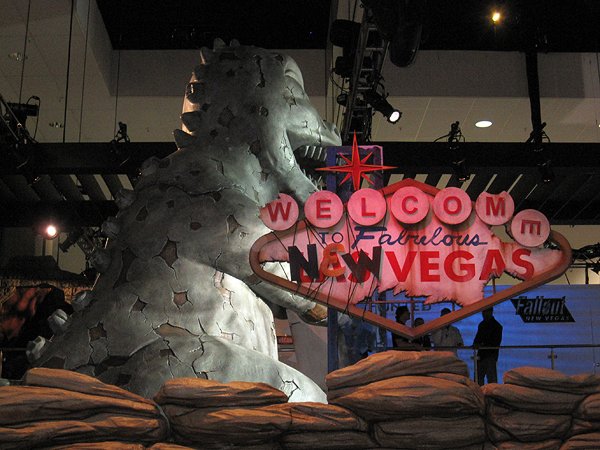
[423, 341]
[449, 336]
[24, 316]
[489, 334]
[400, 342]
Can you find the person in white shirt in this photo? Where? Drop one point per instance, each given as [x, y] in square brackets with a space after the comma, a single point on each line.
[449, 336]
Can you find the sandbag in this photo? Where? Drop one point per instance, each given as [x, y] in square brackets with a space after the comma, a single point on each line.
[78, 382]
[96, 427]
[105, 445]
[531, 399]
[391, 364]
[553, 380]
[506, 424]
[202, 393]
[327, 440]
[552, 444]
[410, 396]
[589, 408]
[431, 432]
[24, 404]
[582, 442]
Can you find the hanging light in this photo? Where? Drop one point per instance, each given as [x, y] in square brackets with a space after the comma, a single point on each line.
[48, 229]
[379, 103]
[546, 171]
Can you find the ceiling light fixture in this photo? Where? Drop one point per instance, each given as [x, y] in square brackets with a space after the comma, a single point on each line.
[459, 162]
[48, 229]
[483, 124]
[51, 232]
[17, 56]
[546, 171]
[496, 17]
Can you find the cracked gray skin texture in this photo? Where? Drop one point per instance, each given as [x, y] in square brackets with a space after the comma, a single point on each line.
[176, 296]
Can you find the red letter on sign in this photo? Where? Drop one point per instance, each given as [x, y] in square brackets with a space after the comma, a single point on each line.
[457, 205]
[427, 266]
[363, 208]
[401, 272]
[468, 269]
[323, 212]
[330, 258]
[413, 199]
[495, 209]
[274, 212]
[493, 264]
[535, 226]
[517, 258]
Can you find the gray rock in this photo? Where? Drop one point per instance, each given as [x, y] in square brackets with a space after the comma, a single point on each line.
[59, 322]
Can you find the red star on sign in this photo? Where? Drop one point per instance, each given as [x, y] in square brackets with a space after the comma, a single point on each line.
[356, 168]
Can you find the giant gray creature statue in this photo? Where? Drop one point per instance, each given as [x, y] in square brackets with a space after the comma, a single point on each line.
[176, 296]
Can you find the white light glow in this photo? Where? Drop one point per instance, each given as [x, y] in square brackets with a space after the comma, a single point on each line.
[394, 117]
[51, 232]
[483, 124]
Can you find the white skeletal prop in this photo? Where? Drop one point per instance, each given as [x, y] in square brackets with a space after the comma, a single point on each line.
[177, 297]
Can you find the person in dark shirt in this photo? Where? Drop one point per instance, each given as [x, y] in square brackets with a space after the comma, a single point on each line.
[30, 308]
[400, 342]
[423, 341]
[489, 334]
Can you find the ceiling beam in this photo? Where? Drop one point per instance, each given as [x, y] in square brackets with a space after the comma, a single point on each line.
[87, 158]
[408, 157]
[68, 215]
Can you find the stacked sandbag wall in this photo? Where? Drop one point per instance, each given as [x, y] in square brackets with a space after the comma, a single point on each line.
[63, 407]
[210, 414]
[543, 409]
[413, 400]
[401, 400]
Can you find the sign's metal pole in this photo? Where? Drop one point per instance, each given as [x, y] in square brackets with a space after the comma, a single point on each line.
[333, 361]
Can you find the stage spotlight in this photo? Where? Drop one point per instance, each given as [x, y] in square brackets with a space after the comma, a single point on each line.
[460, 170]
[119, 149]
[342, 99]
[546, 171]
[379, 103]
[344, 33]
[48, 230]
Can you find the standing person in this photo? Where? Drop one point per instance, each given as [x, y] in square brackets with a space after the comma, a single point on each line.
[489, 334]
[423, 341]
[400, 342]
[449, 336]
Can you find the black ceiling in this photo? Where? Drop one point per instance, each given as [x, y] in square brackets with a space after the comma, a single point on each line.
[190, 24]
[552, 25]
[572, 198]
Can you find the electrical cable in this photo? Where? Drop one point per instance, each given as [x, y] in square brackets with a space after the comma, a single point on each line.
[118, 67]
[24, 51]
[87, 33]
[68, 72]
